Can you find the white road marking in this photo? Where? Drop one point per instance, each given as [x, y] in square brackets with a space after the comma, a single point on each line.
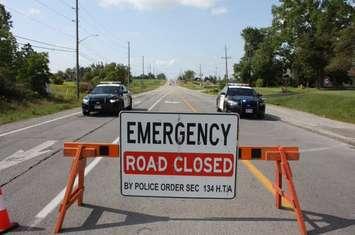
[57, 199]
[158, 101]
[38, 124]
[171, 102]
[21, 156]
[137, 102]
[323, 148]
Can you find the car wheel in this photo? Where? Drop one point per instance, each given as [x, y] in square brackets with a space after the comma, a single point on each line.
[130, 105]
[86, 113]
[261, 115]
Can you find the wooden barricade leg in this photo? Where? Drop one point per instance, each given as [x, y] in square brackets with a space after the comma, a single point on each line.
[77, 168]
[81, 176]
[278, 184]
[286, 171]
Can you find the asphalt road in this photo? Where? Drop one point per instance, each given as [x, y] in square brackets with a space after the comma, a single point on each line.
[34, 172]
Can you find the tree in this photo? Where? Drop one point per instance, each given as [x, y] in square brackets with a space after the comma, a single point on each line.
[161, 76]
[34, 71]
[7, 54]
[189, 75]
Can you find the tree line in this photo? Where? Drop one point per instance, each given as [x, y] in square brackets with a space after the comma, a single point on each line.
[95, 73]
[308, 42]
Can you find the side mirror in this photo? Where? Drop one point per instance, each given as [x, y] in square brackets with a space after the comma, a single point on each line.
[259, 95]
[222, 93]
[125, 92]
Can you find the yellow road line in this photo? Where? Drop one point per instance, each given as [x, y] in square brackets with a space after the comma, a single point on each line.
[192, 108]
[250, 166]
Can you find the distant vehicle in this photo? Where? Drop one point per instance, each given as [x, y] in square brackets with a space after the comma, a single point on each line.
[107, 97]
[241, 99]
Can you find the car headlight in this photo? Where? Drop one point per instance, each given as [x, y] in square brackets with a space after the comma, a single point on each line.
[113, 101]
[85, 100]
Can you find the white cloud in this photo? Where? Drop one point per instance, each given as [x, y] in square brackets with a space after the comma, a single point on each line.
[166, 63]
[153, 4]
[219, 11]
[3, 2]
[34, 12]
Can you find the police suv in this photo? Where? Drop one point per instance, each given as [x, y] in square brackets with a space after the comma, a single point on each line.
[241, 99]
[108, 97]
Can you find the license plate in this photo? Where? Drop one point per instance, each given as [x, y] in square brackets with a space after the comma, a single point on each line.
[97, 106]
[249, 111]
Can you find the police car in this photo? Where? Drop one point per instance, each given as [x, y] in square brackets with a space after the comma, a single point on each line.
[108, 97]
[242, 99]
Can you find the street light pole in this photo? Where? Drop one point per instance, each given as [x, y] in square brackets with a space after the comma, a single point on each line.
[77, 49]
[129, 63]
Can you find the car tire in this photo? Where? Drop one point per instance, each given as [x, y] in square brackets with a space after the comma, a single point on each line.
[86, 113]
[130, 105]
[119, 109]
[261, 115]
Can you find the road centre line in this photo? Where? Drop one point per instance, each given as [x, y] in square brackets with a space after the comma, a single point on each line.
[57, 199]
[251, 167]
[38, 124]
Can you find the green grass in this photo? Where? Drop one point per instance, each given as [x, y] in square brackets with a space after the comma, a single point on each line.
[211, 89]
[63, 97]
[139, 86]
[333, 104]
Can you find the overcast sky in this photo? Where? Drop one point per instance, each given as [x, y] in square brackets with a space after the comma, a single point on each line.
[173, 35]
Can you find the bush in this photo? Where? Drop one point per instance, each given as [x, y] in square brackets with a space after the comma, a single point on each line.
[85, 87]
[58, 80]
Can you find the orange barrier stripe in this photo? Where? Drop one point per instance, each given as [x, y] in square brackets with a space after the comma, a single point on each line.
[91, 149]
[267, 153]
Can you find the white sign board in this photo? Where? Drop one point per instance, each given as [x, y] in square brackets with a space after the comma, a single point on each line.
[178, 154]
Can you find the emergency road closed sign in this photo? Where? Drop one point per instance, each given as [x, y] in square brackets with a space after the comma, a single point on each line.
[178, 154]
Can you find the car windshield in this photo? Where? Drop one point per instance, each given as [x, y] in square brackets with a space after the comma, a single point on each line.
[241, 92]
[107, 90]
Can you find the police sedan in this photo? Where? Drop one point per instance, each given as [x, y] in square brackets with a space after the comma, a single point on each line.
[241, 99]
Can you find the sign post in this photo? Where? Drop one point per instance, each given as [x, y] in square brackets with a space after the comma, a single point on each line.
[184, 155]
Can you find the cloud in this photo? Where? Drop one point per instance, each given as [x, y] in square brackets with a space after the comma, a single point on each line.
[34, 12]
[156, 4]
[166, 63]
[3, 2]
[219, 11]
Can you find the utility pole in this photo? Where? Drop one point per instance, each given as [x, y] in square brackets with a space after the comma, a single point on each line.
[77, 49]
[200, 72]
[226, 57]
[129, 63]
[143, 65]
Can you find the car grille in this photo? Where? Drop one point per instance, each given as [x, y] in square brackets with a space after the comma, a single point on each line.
[98, 101]
[250, 104]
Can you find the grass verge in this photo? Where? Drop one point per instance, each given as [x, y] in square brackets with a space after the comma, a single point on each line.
[63, 97]
[334, 104]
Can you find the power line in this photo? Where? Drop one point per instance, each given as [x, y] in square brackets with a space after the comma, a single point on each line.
[44, 43]
[102, 27]
[42, 23]
[47, 48]
[54, 10]
[66, 4]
